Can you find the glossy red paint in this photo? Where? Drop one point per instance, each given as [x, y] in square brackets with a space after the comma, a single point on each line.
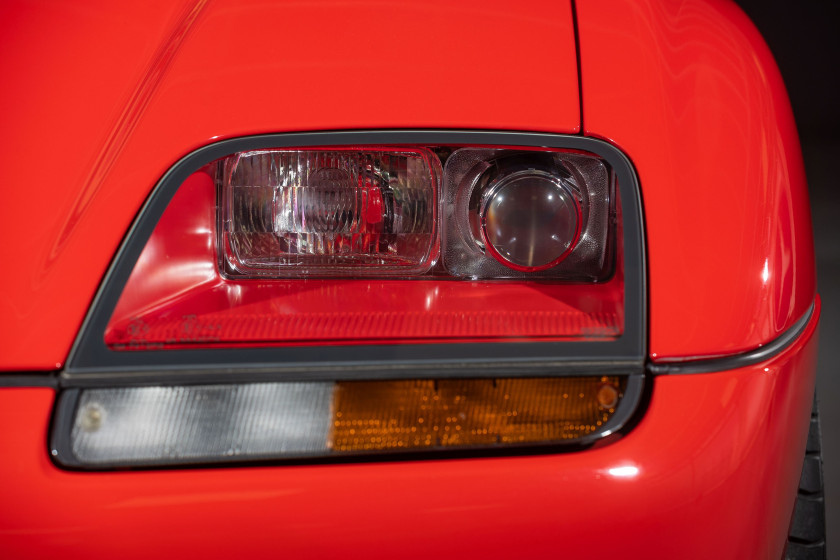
[710, 471]
[105, 97]
[691, 93]
[142, 86]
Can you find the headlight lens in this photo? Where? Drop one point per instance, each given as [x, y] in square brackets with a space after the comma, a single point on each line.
[373, 244]
[301, 213]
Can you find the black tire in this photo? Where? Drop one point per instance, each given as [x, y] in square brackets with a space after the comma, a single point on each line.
[806, 540]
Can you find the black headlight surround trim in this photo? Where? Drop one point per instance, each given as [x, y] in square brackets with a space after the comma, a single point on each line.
[92, 362]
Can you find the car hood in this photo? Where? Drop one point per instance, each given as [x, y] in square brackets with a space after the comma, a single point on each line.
[102, 98]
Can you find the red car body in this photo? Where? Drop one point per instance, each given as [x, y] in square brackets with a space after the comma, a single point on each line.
[101, 99]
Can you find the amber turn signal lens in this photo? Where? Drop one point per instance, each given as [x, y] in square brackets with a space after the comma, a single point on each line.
[387, 415]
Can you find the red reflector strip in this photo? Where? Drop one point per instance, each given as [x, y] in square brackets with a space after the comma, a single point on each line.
[380, 326]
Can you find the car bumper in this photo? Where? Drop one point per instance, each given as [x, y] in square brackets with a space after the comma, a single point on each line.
[709, 471]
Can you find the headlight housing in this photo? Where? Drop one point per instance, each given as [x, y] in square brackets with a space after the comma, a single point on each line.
[339, 260]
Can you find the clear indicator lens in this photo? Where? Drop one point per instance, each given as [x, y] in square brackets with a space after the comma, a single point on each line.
[530, 220]
[291, 213]
[201, 422]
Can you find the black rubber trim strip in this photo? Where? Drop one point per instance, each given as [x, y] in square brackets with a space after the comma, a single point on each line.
[90, 356]
[761, 354]
[327, 371]
[65, 411]
[35, 379]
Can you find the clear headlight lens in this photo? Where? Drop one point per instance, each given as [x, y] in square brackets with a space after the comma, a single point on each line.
[293, 213]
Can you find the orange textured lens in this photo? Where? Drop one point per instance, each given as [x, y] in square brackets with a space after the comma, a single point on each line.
[382, 415]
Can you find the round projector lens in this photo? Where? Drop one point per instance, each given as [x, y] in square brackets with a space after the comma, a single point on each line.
[530, 220]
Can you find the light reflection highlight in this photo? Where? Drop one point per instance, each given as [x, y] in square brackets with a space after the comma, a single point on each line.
[627, 471]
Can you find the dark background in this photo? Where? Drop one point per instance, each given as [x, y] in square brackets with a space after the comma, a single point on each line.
[804, 39]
